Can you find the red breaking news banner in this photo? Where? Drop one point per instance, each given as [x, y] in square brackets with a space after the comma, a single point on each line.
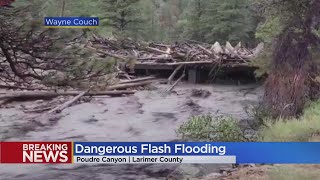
[36, 152]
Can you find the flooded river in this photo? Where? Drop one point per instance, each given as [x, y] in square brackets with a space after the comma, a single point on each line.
[149, 115]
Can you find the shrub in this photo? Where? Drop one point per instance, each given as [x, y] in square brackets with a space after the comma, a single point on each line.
[210, 128]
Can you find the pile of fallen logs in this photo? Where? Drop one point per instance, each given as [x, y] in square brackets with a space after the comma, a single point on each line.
[177, 52]
[124, 87]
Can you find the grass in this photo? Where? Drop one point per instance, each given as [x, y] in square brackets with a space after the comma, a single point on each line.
[294, 172]
[302, 129]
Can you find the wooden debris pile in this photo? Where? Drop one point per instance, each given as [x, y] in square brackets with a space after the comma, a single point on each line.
[177, 52]
[124, 87]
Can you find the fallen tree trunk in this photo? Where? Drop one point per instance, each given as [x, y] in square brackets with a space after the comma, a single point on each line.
[109, 54]
[128, 85]
[37, 110]
[157, 50]
[48, 95]
[19, 87]
[174, 73]
[177, 81]
[138, 80]
[205, 50]
[68, 103]
[178, 63]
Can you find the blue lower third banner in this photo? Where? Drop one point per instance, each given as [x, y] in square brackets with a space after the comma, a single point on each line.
[71, 22]
[197, 152]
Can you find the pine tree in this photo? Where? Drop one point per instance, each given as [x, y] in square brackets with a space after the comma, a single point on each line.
[191, 22]
[227, 20]
[122, 15]
[215, 20]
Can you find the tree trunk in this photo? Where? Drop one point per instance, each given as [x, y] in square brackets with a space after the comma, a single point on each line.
[288, 85]
[63, 4]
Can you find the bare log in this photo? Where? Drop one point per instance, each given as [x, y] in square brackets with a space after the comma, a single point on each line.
[161, 45]
[38, 110]
[19, 87]
[128, 85]
[109, 54]
[68, 103]
[157, 50]
[138, 80]
[165, 57]
[174, 73]
[179, 63]
[177, 81]
[168, 51]
[48, 95]
[205, 50]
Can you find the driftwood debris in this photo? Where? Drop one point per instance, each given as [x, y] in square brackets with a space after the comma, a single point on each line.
[137, 80]
[68, 103]
[128, 85]
[19, 87]
[186, 51]
[174, 73]
[48, 95]
[177, 81]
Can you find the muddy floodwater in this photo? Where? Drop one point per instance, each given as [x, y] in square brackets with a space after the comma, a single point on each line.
[149, 115]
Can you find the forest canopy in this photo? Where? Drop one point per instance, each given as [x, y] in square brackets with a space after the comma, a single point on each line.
[162, 20]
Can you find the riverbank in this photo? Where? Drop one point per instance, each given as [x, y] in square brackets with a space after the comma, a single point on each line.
[303, 129]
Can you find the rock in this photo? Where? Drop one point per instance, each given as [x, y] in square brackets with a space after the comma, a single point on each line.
[86, 99]
[212, 176]
[185, 171]
[159, 169]
[247, 165]
[227, 170]
[200, 93]
[190, 102]
[224, 173]
[38, 101]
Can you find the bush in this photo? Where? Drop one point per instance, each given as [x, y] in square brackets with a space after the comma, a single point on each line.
[209, 128]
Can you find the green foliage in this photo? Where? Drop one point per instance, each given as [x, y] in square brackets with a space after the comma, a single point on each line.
[215, 20]
[268, 30]
[209, 128]
[124, 16]
[294, 129]
[161, 20]
[263, 63]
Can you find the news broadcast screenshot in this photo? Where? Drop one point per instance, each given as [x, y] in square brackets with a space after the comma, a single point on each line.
[160, 89]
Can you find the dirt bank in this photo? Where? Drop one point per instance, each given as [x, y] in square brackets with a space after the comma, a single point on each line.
[150, 115]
